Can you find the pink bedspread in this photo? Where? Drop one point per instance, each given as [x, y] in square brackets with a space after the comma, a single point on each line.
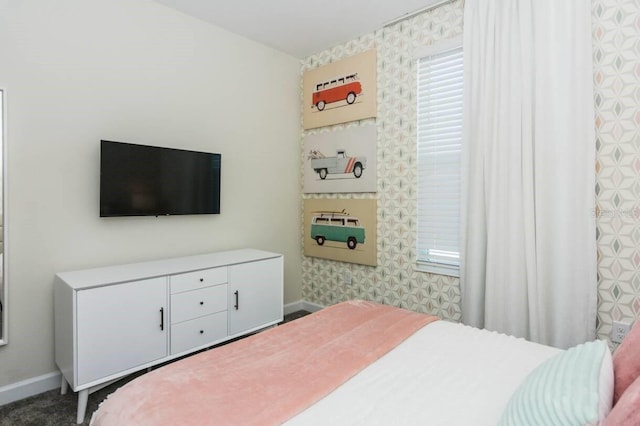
[266, 378]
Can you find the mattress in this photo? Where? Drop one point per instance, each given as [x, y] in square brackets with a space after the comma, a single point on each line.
[355, 363]
[444, 374]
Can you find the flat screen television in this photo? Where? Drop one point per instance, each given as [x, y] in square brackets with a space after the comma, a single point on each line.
[142, 180]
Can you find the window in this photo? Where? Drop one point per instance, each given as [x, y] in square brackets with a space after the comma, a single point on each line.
[439, 141]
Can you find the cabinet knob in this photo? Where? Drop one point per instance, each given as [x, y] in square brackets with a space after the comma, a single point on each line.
[202, 303]
[201, 331]
[201, 279]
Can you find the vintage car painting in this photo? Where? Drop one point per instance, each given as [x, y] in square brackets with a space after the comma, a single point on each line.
[344, 88]
[340, 164]
[337, 226]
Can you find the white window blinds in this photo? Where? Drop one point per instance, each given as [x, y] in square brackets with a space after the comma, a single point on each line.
[440, 82]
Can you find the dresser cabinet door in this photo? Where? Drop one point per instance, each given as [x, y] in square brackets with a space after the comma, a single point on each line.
[120, 327]
[255, 295]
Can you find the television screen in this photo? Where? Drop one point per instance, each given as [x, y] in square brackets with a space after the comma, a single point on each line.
[141, 180]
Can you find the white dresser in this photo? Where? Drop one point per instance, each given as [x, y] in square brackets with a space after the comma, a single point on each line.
[116, 320]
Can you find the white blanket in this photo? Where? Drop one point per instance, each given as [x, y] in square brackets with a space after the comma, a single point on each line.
[445, 374]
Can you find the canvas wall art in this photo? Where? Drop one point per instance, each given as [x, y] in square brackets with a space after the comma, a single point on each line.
[342, 91]
[341, 160]
[343, 230]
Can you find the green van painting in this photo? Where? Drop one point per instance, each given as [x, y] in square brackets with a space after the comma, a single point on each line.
[337, 226]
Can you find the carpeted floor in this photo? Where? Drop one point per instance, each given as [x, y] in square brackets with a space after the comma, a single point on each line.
[52, 409]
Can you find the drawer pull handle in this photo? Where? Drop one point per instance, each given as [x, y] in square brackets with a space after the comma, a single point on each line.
[201, 279]
[201, 331]
[161, 318]
[237, 305]
[201, 303]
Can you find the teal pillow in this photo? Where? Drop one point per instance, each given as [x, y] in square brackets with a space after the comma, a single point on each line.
[574, 387]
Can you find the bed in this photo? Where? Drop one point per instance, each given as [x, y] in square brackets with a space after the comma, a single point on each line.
[363, 363]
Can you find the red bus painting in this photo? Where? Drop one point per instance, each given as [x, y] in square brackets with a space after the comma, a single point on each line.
[345, 88]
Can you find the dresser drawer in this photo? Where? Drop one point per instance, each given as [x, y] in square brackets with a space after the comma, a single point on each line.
[198, 332]
[198, 279]
[197, 303]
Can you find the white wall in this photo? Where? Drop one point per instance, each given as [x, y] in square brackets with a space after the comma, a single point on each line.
[77, 71]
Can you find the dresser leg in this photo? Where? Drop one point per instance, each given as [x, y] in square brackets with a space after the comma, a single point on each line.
[83, 396]
[64, 386]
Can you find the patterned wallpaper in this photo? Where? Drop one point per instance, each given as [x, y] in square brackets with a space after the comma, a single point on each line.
[616, 44]
[616, 55]
[394, 281]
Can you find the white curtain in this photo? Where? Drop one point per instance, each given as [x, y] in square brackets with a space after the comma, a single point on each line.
[528, 249]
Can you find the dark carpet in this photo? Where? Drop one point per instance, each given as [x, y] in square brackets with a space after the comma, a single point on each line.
[52, 409]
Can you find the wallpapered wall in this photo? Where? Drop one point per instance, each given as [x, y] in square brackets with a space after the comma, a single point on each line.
[394, 281]
[616, 56]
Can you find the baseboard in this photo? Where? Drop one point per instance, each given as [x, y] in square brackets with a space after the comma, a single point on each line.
[311, 307]
[26, 388]
[301, 305]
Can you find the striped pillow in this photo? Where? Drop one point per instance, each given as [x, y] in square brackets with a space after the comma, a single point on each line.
[572, 388]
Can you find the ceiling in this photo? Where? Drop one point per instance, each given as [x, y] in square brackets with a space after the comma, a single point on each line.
[299, 28]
